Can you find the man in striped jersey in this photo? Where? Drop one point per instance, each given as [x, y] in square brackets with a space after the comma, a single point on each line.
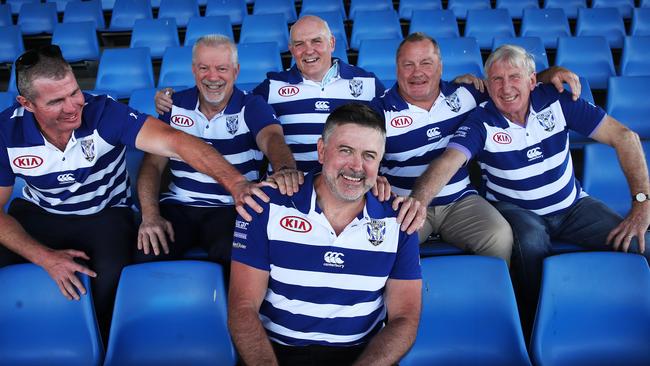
[318, 273]
[69, 147]
[196, 211]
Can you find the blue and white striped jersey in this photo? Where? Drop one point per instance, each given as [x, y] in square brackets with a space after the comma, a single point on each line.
[529, 166]
[85, 178]
[415, 137]
[231, 132]
[324, 289]
[303, 105]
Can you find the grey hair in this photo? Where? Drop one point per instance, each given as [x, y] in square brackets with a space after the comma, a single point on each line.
[514, 55]
[326, 27]
[418, 37]
[216, 40]
[53, 68]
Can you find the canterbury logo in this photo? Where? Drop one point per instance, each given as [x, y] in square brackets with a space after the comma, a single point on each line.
[322, 105]
[28, 161]
[334, 258]
[295, 224]
[288, 91]
[401, 121]
[65, 178]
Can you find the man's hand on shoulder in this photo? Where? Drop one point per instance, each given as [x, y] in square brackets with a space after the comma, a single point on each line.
[558, 75]
[163, 100]
[412, 213]
[287, 180]
[382, 189]
[478, 83]
[243, 193]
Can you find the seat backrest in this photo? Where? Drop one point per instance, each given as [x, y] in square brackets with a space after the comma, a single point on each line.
[588, 56]
[640, 22]
[533, 45]
[570, 7]
[368, 5]
[435, 23]
[548, 24]
[213, 24]
[320, 6]
[181, 11]
[143, 101]
[284, 7]
[36, 18]
[16, 4]
[485, 24]
[516, 7]
[460, 56]
[6, 100]
[77, 40]
[469, 314]
[81, 11]
[255, 60]
[11, 43]
[624, 7]
[378, 56]
[406, 7]
[375, 24]
[170, 313]
[176, 68]
[38, 325]
[155, 34]
[234, 9]
[460, 7]
[606, 22]
[627, 98]
[265, 28]
[5, 15]
[126, 12]
[594, 309]
[635, 60]
[123, 70]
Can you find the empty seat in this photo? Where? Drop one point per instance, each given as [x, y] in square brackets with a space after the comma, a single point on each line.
[124, 70]
[640, 22]
[548, 24]
[516, 7]
[627, 101]
[78, 41]
[6, 100]
[460, 56]
[320, 6]
[635, 60]
[469, 314]
[284, 7]
[155, 34]
[604, 22]
[36, 18]
[170, 313]
[624, 7]
[378, 56]
[460, 7]
[143, 101]
[435, 23]
[533, 45]
[200, 26]
[81, 11]
[594, 309]
[181, 11]
[5, 15]
[265, 28]
[588, 56]
[570, 7]
[406, 7]
[336, 25]
[60, 4]
[375, 24]
[485, 24]
[126, 12]
[16, 4]
[255, 60]
[235, 10]
[40, 326]
[11, 43]
[357, 6]
[176, 68]
[108, 4]
[436, 247]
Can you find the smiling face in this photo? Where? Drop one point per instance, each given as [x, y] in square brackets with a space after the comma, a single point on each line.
[509, 87]
[418, 73]
[215, 74]
[311, 47]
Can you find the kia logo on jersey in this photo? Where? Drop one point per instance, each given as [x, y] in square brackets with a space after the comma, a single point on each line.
[28, 161]
[182, 121]
[288, 91]
[296, 224]
[502, 138]
[401, 121]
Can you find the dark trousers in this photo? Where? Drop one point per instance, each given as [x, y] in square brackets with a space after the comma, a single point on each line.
[316, 355]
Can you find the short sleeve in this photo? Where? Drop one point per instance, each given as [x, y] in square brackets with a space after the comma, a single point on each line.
[118, 123]
[250, 241]
[469, 138]
[581, 116]
[407, 260]
[259, 114]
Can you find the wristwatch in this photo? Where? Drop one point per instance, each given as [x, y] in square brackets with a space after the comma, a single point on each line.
[641, 197]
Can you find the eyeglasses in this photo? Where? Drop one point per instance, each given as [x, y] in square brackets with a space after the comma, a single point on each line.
[33, 56]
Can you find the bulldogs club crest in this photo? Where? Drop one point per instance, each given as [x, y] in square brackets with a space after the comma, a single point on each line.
[547, 120]
[453, 102]
[356, 87]
[88, 149]
[232, 124]
[376, 231]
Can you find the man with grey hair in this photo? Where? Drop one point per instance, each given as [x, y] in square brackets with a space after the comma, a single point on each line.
[520, 139]
[196, 210]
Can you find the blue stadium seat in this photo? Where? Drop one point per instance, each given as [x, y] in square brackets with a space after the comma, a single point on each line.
[378, 56]
[357, 6]
[640, 22]
[11, 43]
[234, 9]
[435, 23]
[588, 56]
[516, 7]
[460, 56]
[627, 101]
[78, 41]
[5, 15]
[143, 101]
[375, 24]
[170, 313]
[624, 6]
[124, 70]
[635, 60]
[337, 27]
[594, 309]
[265, 28]
[39, 326]
[155, 34]
[81, 11]
[321, 6]
[604, 22]
[570, 7]
[6, 100]
[485, 24]
[469, 314]
[60, 4]
[436, 247]
[176, 68]
[37, 18]
[460, 7]
[181, 11]
[406, 7]
[108, 4]
[284, 7]
[16, 4]
[19, 183]
[578, 140]
[200, 26]
[126, 12]
[548, 24]
[255, 60]
[533, 45]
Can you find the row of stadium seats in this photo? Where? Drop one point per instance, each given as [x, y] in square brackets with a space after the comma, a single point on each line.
[173, 313]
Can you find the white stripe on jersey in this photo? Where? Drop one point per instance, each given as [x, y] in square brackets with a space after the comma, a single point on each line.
[343, 281]
[322, 310]
[190, 196]
[418, 151]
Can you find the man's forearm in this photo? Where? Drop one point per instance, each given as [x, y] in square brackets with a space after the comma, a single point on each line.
[437, 175]
[149, 186]
[278, 152]
[249, 337]
[633, 164]
[390, 344]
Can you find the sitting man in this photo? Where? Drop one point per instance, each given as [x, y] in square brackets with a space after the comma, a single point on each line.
[319, 273]
[69, 147]
[197, 211]
[520, 138]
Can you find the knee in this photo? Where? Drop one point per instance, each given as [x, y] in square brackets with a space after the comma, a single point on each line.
[498, 243]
